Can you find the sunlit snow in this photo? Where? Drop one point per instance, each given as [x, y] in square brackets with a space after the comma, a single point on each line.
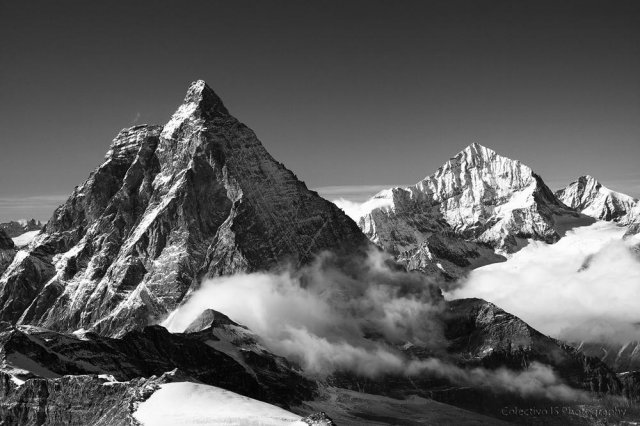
[197, 404]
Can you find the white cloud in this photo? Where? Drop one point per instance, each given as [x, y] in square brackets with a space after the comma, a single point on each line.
[331, 317]
[319, 317]
[586, 287]
[356, 210]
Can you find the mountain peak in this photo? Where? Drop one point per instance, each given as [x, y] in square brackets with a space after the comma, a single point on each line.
[587, 179]
[205, 98]
[200, 102]
[475, 150]
[587, 195]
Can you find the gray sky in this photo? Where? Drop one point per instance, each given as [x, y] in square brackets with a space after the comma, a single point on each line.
[355, 95]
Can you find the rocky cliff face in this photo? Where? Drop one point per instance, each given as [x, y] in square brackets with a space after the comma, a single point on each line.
[239, 366]
[99, 400]
[72, 400]
[620, 357]
[482, 199]
[481, 335]
[7, 251]
[632, 219]
[168, 206]
[591, 198]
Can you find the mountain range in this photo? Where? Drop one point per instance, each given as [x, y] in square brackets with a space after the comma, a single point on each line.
[478, 208]
[200, 197]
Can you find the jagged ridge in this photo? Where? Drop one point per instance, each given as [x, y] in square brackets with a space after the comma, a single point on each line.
[477, 196]
[168, 206]
[590, 197]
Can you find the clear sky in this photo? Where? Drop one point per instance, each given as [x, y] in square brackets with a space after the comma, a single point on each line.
[348, 94]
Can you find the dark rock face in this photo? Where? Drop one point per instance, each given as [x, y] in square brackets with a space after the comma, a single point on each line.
[448, 256]
[273, 372]
[152, 351]
[621, 358]
[631, 384]
[72, 400]
[211, 319]
[17, 228]
[6, 243]
[168, 206]
[7, 251]
[483, 334]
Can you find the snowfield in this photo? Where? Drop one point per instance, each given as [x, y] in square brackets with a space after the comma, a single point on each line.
[189, 403]
[25, 239]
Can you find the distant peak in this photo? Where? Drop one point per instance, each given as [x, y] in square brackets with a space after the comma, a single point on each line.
[477, 150]
[208, 101]
[587, 178]
[588, 181]
[476, 155]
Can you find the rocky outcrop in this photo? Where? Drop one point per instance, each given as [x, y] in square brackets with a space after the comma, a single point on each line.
[620, 357]
[479, 198]
[7, 251]
[631, 385]
[273, 372]
[446, 255]
[73, 400]
[168, 206]
[483, 334]
[480, 335]
[633, 221]
[34, 352]
[16, 228]
[590, 197]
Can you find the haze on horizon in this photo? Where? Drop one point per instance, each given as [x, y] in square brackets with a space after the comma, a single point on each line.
[352, 96]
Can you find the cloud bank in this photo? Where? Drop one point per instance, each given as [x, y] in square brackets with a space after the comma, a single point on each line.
[586, 287]
[335, 318]
[329, 317]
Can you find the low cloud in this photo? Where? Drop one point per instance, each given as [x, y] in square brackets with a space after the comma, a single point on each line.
[352, 192]
[356, 210]
[586, 287]
[353, 318]
[326, 317]
[538, 380]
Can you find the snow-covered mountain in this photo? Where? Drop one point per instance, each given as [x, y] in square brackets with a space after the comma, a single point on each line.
[482, 200]
[168, 206]
[590, 197]
[171, 205]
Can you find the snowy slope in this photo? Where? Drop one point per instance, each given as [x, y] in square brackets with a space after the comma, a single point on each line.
[477, 194]
[189, 403]
[475, 208]
[590, 197]
[24, 239]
